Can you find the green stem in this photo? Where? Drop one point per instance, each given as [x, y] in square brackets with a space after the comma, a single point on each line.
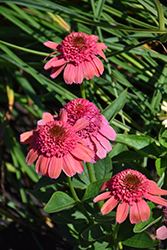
[82, 91]
[91, 176]
[77, 199]
[24, 49]
[160, 15]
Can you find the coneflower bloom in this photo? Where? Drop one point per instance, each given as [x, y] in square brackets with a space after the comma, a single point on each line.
[57, 146]
[161, 233]
[163, 117]
[78, 51]
[98, 130]
[127, 190]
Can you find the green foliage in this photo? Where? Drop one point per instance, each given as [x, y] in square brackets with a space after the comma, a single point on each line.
[129, 94]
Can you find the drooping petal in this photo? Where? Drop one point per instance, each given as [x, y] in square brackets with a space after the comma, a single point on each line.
[122, 212]
[104, 142]
[51, 45]
[109, 205]
[102, 196]
[79, 75]
[59, 62]
[83, 152]
[161, 233]
[55, 167]
[69, 73]
[156, 190]
[108, 131]
[69, 165]
[157, 199]
[42, 165]
[134, 214]
[101, 151]
[46, 117]
[143, 209]
[56, 71]
[48, 65]
[101, 53]
[32, 155]
[27, 137]
[99, 65]
[101, 46]
[81, 124]
[89, 70]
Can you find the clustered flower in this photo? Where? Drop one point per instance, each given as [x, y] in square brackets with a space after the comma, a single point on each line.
[81, 133]
[127, 189]
[78, 53]
[59, 142]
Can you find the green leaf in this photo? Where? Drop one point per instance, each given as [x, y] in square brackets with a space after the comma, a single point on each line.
[161, 164]
[93, 233]
[155, 216]
[163, 137]
[115, 106]
[142, 240]
[93, 189]
[144, 144]
[59, 201]
[102, 168]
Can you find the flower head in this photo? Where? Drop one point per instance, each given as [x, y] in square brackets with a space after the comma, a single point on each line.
[127, 189]
[78, 51]
[161, 233]
[98, 128]
[163, 117]
[57, 146]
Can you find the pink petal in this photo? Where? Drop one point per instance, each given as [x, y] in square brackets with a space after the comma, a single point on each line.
[80, 124]
[108, 131]
[161, 233]
[122, 212]
[59, 62]
[134, 214]
[56, 71]
[83, 152]
[105, 185]
[109, 205]
[42, 165]
[104, 142]
[46, 117]
[101, 53]
[144, 210]
[157, 199]
[91, 144]
[55, 167]
[51, 45]
[48, 65]
[101, 46]
[63, 115]
[105, 121]
[98, 64]
[101, 151]
[89, 70]
[69, 165]
[95, 38]
[79, 75]
[102, 196]
[32, 155]
[69, 73]
[27, 137]
[156, 190]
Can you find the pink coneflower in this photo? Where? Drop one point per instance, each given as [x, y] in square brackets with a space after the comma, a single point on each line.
[161, 233]
[57, 146]
[128, 188]
[98, 130]
[78, 51]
